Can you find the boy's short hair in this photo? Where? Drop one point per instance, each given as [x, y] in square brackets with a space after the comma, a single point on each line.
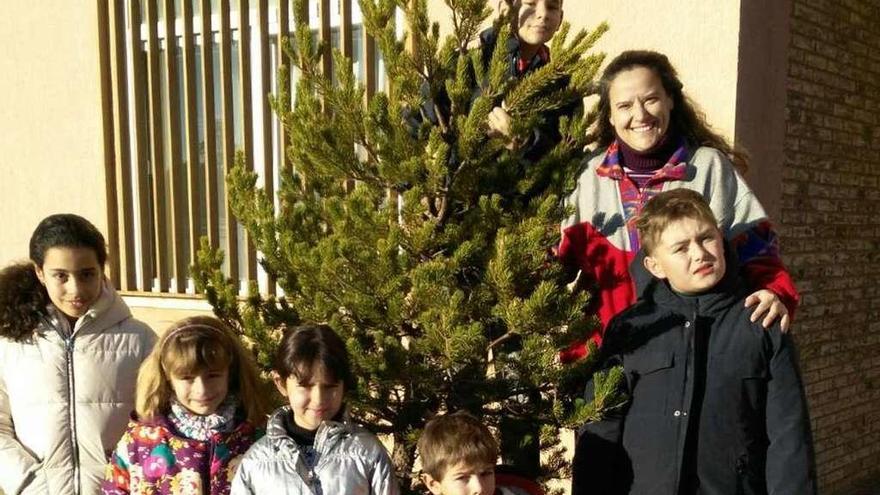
[668, 207]
[456, 438]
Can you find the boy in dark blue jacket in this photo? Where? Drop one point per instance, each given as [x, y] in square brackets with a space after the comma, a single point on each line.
[716, 404]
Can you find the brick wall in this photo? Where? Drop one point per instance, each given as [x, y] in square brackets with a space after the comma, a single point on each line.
[830, 229]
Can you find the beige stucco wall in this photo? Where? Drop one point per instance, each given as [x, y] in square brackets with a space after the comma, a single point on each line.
[51, 136]
[699, 37]
[160, 312]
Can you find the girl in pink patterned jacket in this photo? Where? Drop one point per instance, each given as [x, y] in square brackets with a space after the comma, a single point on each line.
[198, 411]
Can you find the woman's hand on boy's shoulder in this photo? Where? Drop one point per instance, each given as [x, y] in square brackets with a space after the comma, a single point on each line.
[769, 307]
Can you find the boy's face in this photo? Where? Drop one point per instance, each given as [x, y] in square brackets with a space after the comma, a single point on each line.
[313, 402]
[538, 20]
[690, 255]
[463, 479]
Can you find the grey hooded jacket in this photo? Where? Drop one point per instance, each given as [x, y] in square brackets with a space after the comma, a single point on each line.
[350, 460]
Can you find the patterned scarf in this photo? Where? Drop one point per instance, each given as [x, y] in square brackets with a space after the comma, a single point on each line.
[632, 197]
[202, 428]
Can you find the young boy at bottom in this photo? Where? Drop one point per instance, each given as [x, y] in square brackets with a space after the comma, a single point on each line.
[458, 455]
[716, 404]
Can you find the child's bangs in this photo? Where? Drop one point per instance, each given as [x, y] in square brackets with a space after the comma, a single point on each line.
[473, 454]
[310, 372]
[191, 355]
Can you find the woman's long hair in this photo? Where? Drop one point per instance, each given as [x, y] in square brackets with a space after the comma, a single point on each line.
[686, 117]
[23, 299]
[194, 345]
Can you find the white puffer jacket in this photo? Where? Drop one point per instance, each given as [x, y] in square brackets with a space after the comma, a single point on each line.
[64, 402]
[350, 460]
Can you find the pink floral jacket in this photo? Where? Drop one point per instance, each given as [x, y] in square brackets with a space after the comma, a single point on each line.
[153, 458]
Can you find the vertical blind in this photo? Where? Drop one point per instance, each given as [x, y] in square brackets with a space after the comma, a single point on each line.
[185, 86]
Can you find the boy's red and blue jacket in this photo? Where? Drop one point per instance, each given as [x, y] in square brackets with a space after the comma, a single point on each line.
[600, 238]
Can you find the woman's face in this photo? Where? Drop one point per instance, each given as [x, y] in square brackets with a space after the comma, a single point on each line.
[640, 108]
[73, 279]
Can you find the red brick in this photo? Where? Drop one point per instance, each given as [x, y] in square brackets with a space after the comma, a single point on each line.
[829, 228]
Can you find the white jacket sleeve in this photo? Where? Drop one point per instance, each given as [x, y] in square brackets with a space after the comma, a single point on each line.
[384, 481]
[17, 465]
[241, 482]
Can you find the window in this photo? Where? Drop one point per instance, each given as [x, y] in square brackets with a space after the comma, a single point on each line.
[183, 93]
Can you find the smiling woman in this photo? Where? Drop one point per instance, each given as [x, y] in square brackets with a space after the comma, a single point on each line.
[640, 108]
[653, 138]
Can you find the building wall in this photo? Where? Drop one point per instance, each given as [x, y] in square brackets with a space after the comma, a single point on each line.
[830, 232]
[51, 123]
[764, 34]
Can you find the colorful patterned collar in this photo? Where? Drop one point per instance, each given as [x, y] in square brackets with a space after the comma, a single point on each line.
[203, 428]
[675, 168]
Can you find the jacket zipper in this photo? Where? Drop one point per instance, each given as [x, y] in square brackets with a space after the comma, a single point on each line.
[212, 452]
[71, 404]
[321, 448]
[691, 325]
[320, 440]
[305, 472]
[71, 412]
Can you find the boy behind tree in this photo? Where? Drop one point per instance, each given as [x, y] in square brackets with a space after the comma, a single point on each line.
[716, 402]
[534, 23]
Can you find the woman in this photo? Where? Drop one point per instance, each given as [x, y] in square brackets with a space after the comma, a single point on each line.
[652, 138]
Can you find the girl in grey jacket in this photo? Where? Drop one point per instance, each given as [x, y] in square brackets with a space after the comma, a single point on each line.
[311, 447]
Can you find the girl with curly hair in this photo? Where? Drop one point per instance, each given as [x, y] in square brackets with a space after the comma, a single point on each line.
[69, 355]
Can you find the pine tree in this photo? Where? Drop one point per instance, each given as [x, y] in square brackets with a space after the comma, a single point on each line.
[427, 246]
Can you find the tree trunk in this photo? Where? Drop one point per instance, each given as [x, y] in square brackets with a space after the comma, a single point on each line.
[403, 456]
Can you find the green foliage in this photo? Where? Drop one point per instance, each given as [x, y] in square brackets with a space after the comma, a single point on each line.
[426, 245]
[607, 397]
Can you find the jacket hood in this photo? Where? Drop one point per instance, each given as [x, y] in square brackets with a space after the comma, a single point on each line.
[722, 295]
